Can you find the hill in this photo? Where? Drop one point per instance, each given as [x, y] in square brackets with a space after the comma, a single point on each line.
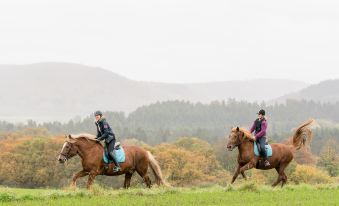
[325, 92]
[60, 91]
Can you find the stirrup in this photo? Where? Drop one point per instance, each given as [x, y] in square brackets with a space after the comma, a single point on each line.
[106, 166]
[116, 169]
[267, 163]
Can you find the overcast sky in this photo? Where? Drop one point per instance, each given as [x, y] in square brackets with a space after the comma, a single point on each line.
[177, 40]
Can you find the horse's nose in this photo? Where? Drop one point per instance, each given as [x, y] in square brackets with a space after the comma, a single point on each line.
[60, 159]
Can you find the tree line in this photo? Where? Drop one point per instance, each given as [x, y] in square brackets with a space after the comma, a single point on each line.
[166, 121]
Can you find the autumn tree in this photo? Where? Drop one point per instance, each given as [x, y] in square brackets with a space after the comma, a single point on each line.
[329, 159]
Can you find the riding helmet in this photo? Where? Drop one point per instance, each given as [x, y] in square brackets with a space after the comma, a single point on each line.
[262, 112]
[98, 113]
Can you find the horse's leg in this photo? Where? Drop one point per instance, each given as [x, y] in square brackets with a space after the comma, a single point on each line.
[76, 176]
[247, 166]
[279, 179]
[283, 175]
[147, 181]
[143, 173]
[284, 179]
[236, 174]
[128, 177]
[243, 175]
[91, 178]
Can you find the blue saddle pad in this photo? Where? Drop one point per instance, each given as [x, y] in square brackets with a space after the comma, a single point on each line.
[268, 150]
[119, 154]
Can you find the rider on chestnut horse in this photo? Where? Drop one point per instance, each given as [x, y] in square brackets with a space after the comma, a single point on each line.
[259, 128]
[104, 132]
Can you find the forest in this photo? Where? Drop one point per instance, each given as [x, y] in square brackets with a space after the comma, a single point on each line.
[187, 139]
[167, 121]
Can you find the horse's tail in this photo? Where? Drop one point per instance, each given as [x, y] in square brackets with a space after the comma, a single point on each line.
[156, 170]
[302, 134]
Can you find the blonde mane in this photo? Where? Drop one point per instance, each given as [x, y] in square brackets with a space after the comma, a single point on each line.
[247, 133]
[84, 135]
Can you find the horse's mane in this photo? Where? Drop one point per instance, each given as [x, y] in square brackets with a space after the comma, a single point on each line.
[247, 133]
[84, 135]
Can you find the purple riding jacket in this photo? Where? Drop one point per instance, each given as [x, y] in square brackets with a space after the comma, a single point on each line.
[262, 132]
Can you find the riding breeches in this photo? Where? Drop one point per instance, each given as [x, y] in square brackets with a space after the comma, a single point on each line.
[110, 149]
[262, 143]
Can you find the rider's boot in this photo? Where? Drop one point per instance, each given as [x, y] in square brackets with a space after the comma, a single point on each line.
[117, 165]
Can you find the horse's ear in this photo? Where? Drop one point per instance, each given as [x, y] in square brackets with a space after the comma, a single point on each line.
[238, 129]
[70, 139]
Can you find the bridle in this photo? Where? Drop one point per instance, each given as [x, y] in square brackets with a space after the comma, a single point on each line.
[239, 142]
[65, 154]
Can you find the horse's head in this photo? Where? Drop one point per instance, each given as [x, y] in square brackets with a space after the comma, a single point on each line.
[69, 149]
[234, 138]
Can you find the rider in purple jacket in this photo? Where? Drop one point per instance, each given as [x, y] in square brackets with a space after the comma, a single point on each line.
[259, 128]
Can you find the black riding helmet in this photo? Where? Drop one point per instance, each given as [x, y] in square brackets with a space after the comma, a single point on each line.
[98, 113]
[262, 112]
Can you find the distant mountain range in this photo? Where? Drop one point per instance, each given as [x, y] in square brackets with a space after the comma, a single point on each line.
[60, 91]
[326, 92]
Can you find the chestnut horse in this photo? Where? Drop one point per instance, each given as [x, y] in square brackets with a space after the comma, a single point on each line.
[282, 153]
[91, 154]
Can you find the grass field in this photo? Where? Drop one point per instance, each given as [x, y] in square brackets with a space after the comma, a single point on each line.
[245, 194]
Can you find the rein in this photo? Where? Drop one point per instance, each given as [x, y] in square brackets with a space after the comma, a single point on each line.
[65, 155]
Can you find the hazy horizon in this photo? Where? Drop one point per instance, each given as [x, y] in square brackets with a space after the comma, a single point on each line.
[159, 81]
[177, 41]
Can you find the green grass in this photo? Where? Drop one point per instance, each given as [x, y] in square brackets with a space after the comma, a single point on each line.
[245, 194]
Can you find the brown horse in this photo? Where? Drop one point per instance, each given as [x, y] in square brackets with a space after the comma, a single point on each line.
[282, 153]
[91, 154]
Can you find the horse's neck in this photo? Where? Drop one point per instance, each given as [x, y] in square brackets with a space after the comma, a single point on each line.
[85, 149]
[245, 148]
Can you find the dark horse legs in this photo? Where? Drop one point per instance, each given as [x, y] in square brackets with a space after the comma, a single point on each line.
[236, 174]
[142, 171]
[91, 177]
[243, 175]
[128, 177]
[281, 176]
[77, 175]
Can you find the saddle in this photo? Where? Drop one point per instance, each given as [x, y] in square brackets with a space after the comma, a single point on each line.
[267, 147]
[119, 153]
[117, 146]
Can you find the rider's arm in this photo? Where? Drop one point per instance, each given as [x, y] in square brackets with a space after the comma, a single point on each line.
[105, 131]
[100, 138]
[262, 131]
